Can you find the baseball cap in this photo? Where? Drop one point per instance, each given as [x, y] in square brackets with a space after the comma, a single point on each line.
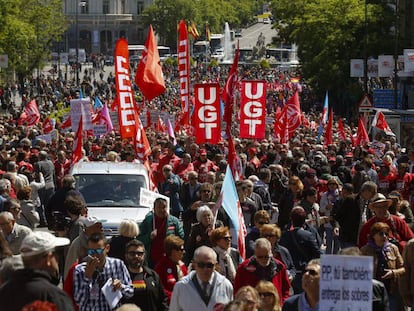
[89, 221]
[40, 242]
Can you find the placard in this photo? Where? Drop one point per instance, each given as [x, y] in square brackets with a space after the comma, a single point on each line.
[147, 198]
[346, 283]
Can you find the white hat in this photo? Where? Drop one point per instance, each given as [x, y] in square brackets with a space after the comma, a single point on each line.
[40, 242]
[89, 221]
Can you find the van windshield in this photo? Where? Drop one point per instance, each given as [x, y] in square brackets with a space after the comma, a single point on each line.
[110, 190]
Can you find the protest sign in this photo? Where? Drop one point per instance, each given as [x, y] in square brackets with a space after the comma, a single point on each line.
[345, 283]
[147, 198]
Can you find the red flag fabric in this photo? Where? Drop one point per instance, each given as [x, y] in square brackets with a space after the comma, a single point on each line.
[30, 114]
[253, 109]
[141, 143]
[284, 131]
[293, 117]
[362, 135]
[127, 113]
[148, 76]
[66, 123]
[184, 71]
[341, 130]
[328, 131]
[77, 146]
[48, 125]
[148, 116]
[234, 161]
[380, 123]
[161, 127]
[206, 116]
[229, 91]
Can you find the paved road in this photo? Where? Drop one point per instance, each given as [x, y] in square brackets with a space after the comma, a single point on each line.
[250, 35]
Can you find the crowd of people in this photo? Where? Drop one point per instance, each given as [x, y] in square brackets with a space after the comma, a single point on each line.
[299, 200]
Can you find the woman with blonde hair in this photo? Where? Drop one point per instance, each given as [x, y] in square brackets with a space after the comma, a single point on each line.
[248, 295]
[128, 230]
[269, 298]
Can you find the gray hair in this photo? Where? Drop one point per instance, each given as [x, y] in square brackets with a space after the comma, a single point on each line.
[201, 210]
[128, 228]
[263, 243]
[369, 186]
[5, 184]
[205, 250]
[7, 216]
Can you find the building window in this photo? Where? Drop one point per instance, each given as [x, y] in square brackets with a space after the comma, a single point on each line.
[140, 7]
[122, 6]
[84, 7]
[105, 7]
[140, 35]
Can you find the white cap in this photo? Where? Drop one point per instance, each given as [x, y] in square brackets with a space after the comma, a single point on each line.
[40, 242]
[89, 221]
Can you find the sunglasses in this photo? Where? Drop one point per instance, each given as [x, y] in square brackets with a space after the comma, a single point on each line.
[227, 238]
[382, 233]
[269, 235]
[311, 272]
[263, 222]
[208, 265]
[266, 294]
[263, 257]
[98, 251]
[133, 254]
[332, 184]
[179, 249]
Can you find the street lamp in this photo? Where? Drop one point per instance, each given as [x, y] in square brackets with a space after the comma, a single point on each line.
[396, 34]
[79, 4]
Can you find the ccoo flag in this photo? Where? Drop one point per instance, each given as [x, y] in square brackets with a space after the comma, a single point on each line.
[149, 77]
[231, 205]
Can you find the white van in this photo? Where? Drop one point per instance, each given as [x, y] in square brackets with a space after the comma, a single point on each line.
[112, 191]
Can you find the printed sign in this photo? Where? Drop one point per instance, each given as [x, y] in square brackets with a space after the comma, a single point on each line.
[345, 283]
[147, 198]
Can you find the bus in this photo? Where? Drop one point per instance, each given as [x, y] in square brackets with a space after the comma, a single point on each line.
[135, 52]
[283, 55]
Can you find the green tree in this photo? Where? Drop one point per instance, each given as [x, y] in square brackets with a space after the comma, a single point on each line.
[331, 32]
[27, 30]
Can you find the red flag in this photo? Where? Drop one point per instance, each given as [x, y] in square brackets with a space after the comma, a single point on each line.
[148, 76]
[30, 114]
[328, 130]
[184, 71]
[341, 130]
[253, 109]
[284, 130]
[148, 115]
[48, 125]
[161, 127]
[234, 161]
[206, 116]
[77, 146]
[380, 123]
[66, 123]
[293, 117]
[362, 135]
[229, 91]
[305, 121]
[127, 114]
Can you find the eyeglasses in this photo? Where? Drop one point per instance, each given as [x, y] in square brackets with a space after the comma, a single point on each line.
[227, 238]
[98, 251]
[266, 294]
[263, 223]
[382, 233]
[311, 272]
[208, 265]
[332, 184]
[133, 254]
[263, 257]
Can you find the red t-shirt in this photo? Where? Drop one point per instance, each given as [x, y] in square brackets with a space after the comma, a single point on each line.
[157, 245]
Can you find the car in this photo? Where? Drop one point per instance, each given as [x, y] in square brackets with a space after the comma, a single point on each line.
[238, 33]
[112, 191]
[109, 60]
[266, 20]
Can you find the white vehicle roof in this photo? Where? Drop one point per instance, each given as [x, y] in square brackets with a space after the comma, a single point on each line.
[99, 167]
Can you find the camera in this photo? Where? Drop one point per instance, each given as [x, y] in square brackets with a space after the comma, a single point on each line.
[60, 221]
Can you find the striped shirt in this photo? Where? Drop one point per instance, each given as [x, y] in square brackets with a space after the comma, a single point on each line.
[87, 292]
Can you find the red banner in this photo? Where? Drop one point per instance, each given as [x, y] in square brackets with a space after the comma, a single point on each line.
[253, 109]
[206, 116]
[184, 71]
[30, 114]
[127, 114]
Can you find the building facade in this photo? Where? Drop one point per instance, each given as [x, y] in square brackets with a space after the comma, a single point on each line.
[95, 25]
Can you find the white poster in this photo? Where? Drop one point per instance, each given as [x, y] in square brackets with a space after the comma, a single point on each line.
[147, 198]
[357, 68]
[408, 60]
[385, 66]
[345, 283]
[64, 58]
[78, 107]
[372, 71]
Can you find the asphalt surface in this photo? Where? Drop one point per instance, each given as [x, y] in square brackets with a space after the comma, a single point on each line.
[250, 35]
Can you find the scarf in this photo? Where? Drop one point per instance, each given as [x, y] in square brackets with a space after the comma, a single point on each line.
[226, 264]
[380, 250]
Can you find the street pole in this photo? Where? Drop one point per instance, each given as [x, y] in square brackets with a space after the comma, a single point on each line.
[366, 48]
[77, 44]
[396, 34]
